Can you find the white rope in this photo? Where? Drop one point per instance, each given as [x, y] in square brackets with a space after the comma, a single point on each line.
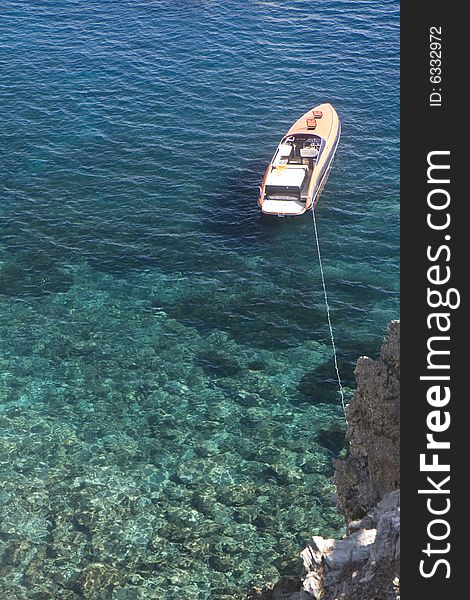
[340, 386]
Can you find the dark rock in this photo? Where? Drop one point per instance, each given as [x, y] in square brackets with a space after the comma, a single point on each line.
[372, 468]
[218, 365]
[332, 438]
[256, 365]
[319, 385]
[221, 563]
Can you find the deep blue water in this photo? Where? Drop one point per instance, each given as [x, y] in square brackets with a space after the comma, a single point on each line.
[168, 409]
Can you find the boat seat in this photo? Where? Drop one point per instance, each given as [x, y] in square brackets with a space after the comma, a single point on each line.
[285, 150]
[309, 152]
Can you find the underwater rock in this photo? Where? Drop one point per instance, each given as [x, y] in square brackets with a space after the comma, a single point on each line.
[268, 454]
[98, 579]
[286, 589]
[221, 563]
[257, 365]
[248, 400]
[216, 364]
[33, 275]
[317, 464]
[237, 494]
[312, 386]
[110, 439]
[332, 438]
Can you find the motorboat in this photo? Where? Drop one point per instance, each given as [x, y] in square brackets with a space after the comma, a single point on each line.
[301, 164]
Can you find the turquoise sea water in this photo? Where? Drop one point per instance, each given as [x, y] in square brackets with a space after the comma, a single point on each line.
[168, 409]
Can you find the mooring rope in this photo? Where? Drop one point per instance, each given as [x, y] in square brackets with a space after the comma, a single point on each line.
[340, 386]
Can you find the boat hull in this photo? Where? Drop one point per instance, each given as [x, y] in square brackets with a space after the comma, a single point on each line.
[326, 132]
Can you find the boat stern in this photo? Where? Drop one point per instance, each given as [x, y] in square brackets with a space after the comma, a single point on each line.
[281, 192]
[283, 208]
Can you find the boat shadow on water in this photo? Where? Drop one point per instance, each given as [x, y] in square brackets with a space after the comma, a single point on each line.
[233, 215]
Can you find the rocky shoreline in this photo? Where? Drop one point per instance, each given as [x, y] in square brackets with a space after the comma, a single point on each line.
[364, 565]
